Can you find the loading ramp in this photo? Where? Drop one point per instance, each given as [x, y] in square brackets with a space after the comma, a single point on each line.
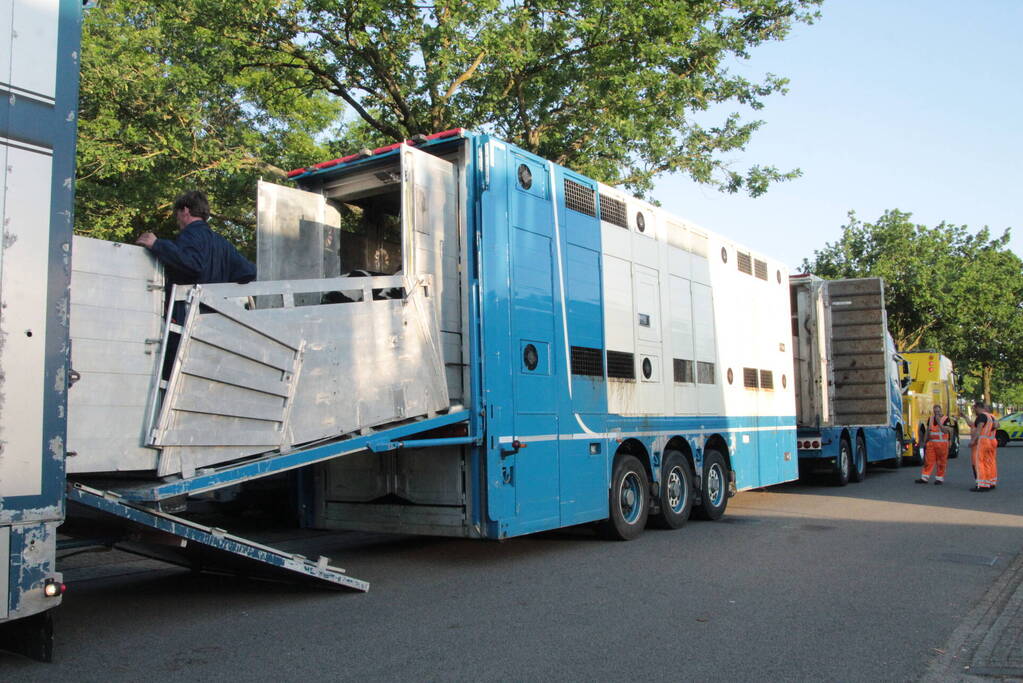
[158, 534]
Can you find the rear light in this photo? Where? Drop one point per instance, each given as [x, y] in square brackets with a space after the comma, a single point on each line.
[52, 589]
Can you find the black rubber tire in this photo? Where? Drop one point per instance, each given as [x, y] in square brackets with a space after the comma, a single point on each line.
[1002, 438]
[918, 449]
[858, 471]
[713, 487]
[628, 500]
[676, 494]
[953, 446]
[843, 464]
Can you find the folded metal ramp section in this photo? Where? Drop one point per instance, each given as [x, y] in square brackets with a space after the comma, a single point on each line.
[183, 542]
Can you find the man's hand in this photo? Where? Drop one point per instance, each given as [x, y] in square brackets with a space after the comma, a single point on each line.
[146, 239]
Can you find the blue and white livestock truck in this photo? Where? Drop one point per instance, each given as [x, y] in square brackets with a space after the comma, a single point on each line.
[495, 344]
[848, 382]
[39, 44]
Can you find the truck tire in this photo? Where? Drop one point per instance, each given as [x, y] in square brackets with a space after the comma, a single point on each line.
[843, 463]
[628, 500]
[859, 469]
[676, 492]
[713, 487]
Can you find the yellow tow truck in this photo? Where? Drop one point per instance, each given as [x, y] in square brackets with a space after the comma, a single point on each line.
[928, 380]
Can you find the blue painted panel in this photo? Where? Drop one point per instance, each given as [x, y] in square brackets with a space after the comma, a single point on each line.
[536, 476]
[54, 127]
[881, 443]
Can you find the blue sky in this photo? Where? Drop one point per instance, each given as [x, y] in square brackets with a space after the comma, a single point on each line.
[901, 104]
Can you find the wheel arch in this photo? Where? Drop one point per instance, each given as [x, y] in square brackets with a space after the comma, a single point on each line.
[680, 444]
[637, 448]
[718, 443]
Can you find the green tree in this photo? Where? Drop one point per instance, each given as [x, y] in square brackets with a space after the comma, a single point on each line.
[165, 110]
[945, 288]
[615, 89]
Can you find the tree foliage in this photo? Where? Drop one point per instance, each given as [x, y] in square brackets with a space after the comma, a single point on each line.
[165, 110]
[613, 88]
[946, 288]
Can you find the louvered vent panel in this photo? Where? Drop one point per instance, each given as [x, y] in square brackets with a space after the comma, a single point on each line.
[621, 365]
[579, 198]
[613, 211]
[760, 269]
[749, 378]
[587, 361]
[683, 371]
[766, 379]
[744, 262]
[704, 372]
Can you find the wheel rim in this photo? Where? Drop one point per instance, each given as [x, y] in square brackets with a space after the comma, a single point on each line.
[715, 484]
[861, 457]
[676, 489]
[630, 497]
[844, 455]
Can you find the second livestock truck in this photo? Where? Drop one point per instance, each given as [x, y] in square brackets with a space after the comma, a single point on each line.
[847, 376]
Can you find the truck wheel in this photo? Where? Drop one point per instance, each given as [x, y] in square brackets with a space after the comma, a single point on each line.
[676, 492]
[628, 500]
[843, 463]
[1002, 438]
[918, 449]
[714, 493]
[953, 447]
[859, 469]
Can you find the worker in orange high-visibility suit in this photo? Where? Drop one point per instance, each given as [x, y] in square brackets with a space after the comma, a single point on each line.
[939, 431]
[983, 448]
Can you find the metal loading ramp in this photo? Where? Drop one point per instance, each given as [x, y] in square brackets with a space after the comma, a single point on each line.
[176, 540]
[188, 544]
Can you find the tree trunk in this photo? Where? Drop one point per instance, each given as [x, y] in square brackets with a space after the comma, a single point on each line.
[986, 373]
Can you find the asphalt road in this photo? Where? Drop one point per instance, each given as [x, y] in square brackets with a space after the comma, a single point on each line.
[797, 582]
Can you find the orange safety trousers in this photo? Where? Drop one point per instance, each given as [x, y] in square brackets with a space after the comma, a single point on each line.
[984, 454]
[935, 456]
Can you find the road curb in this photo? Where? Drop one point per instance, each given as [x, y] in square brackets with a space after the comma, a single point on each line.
[988, 643]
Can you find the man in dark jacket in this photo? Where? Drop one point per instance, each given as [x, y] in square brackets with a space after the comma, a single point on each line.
[198, 256]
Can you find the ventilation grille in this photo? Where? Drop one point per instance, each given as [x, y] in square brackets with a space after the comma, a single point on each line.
[613, 211]
[749, 378]
[579, 198]
[683, 371]
[766, 379]
[745, 262]
[587, 361]
[760, 268]
[704, 372]
[621, 365]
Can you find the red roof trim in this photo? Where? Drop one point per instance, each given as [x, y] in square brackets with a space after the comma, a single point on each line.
[453, 132]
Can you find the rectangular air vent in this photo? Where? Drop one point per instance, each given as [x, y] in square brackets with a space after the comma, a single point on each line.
[766, 379]
[621, 365]
[613, 211]
[587, 361]
[745, 262]
[760, 269]
[579, 198]
[704, 373]
[683, 371]
[749, 378]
